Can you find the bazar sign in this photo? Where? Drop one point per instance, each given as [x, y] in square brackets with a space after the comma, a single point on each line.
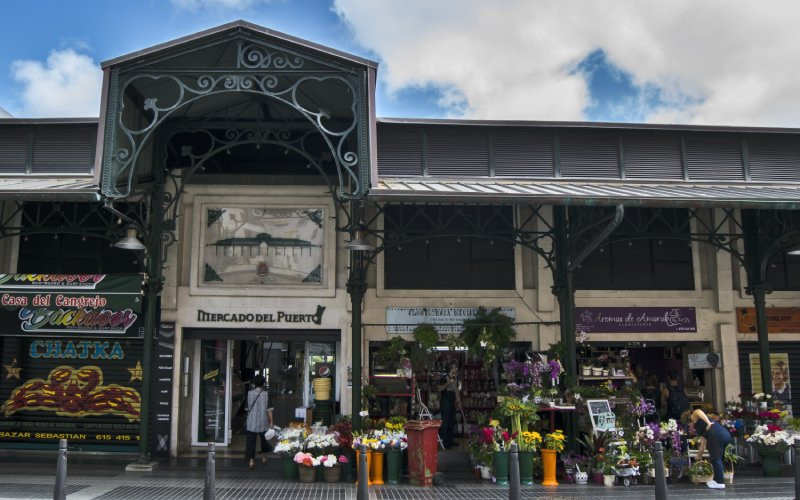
[445, 319]
[262, 317]
[636, 319]
[779, 320]
[68, 304]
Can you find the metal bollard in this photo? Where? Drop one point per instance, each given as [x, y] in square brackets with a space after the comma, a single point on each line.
[513, 474]
[363, 475]
[60, 491]
[661, 480]
[796, 447]
[210, 486]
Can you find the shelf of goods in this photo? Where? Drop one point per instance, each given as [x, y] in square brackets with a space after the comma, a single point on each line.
[478, 394]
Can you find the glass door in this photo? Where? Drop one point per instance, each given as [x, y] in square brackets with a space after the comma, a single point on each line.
[211, 419]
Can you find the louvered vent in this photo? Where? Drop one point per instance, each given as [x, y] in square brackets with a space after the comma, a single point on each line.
[458, 151]
[13, 150]
[652, 156]
[714, 157]
[522, 153]
[589, 155]
[774, 158]
[399, 150]
[63, 149]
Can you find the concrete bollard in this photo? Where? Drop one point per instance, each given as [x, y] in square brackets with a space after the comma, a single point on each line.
[796, 447]
[513, 474]
[363, 475]
[60, 491]
[661, 480]
[210, 486]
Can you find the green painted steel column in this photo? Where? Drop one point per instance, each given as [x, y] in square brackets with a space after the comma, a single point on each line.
[152, 289]
[755, 267]
[356, 287]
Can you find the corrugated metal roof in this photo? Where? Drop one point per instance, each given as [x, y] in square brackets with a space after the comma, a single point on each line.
[688, 194]
[49, 188]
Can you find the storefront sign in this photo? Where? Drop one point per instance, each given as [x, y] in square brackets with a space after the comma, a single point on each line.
[90, 305]
[69, 390]
[636, 319]
[263, 317]
[446, 319]
[779, 320]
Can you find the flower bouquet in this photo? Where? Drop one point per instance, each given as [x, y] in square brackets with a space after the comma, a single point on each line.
[307, 464]
[553, 444]
[332, 470]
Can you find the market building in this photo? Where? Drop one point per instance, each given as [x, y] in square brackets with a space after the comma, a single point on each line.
[280, 224]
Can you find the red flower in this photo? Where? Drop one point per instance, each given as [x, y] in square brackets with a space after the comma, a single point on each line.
[506, 436]
[487, 436]
[774, 428]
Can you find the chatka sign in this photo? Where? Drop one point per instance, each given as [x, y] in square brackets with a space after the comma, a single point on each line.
[636, 319]
[91, 305]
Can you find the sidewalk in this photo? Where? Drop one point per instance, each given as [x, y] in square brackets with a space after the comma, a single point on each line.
[102, 478]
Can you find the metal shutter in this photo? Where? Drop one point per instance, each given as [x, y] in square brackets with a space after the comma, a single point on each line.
[791, 348]
[522, 153]
[399, 150]
[774, 157]
[714, 157]
[589, 154]
[63, 149]
[13, 150]
[652, 156]
[458, 151]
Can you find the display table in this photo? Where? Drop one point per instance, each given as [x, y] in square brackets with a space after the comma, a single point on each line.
[552, 410]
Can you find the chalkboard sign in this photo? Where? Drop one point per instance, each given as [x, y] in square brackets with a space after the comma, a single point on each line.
[603, 418]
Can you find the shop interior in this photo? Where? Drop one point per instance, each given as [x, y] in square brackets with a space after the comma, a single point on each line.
[299, 374]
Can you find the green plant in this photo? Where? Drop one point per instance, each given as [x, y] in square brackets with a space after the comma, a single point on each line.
[426, 336]
[701, 468]
[794, 423]
[730, 457]
[487, 334]
[609, 470]
[390, 354]
[368, 394]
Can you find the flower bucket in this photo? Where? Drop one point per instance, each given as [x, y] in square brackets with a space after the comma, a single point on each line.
[526, 467]
[501, 467]
[394, 464]
[608, 480]
[770, 463]
[288, 468]
[333, 474]
[597, 477]
[322, 388]
[307, 474]
[549, 467]
[376, 468]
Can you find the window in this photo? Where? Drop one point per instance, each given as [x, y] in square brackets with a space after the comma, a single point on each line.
[449, 247]
[71, 253]
[783, 272]
[650, 250]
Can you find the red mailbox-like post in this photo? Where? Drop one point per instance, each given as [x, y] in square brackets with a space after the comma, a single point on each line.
[423, 443]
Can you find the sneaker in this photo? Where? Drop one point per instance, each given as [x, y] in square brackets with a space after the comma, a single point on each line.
[715, 485]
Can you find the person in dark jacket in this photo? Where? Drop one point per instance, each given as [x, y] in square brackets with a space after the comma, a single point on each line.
[448, 387]
[716, 437]
[673, 396]
[259, 419]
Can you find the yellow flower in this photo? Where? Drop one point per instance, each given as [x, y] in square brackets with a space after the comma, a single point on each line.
[494, 423]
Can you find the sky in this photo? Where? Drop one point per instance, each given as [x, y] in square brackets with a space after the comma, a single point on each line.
[709, 62]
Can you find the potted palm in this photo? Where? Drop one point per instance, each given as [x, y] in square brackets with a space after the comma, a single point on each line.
[487, 334]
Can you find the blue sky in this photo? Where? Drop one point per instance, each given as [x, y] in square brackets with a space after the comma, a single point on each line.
[596, 60]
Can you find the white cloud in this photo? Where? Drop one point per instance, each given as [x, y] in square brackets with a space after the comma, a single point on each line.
[715, 62]
[67, 84]
[196, 5]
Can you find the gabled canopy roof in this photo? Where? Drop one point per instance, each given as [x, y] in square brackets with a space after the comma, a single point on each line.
[196, 39]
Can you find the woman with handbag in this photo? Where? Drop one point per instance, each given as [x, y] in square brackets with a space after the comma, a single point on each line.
[259, 420]
[717, 438]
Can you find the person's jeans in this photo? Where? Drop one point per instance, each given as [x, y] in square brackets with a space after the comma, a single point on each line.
[250, 446]
[448, 408]
[718, 438]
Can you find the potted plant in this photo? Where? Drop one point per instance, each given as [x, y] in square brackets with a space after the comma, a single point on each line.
[289, 443]
[529, 443]
[730, 459]
[701, 472]
[500, 443]
[609, 474]
[307, 466]
[343, 433]
[487, 334]
[770, 441]
[553, 445]
[332, 472]
[389, 355]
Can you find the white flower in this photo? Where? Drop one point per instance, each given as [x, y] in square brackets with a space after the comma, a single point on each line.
[363, 413]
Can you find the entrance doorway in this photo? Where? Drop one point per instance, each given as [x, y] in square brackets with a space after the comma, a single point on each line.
[224, 370]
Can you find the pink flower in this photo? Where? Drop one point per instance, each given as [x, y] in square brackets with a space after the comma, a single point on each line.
[343, 459]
